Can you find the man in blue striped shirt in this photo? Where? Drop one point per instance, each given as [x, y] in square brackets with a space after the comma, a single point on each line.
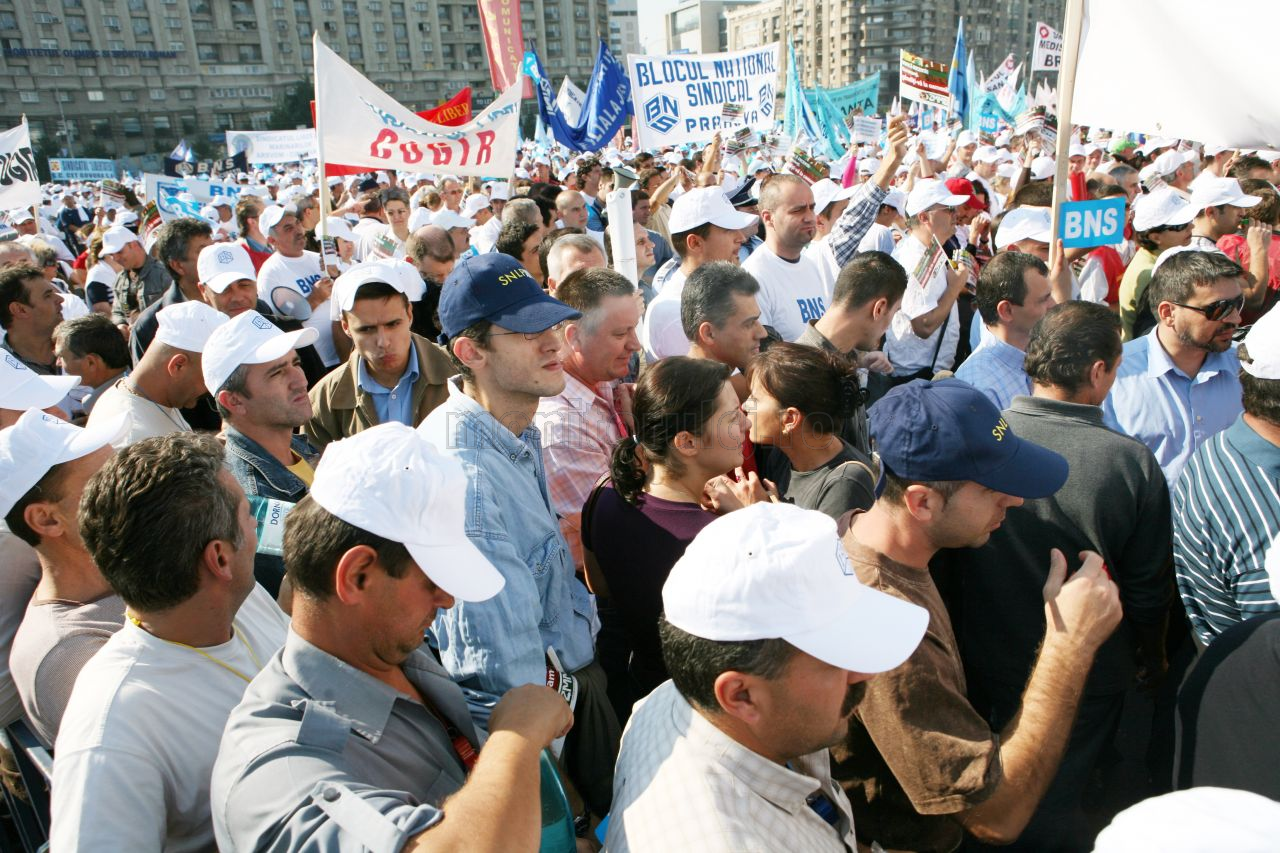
[1177, 385]
[1013, 293]
[1227, 504]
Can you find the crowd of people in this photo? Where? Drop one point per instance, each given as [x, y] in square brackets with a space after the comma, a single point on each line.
[862, 513]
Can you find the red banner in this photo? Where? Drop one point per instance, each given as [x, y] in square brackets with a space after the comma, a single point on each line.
[454, 112]
[504, 42]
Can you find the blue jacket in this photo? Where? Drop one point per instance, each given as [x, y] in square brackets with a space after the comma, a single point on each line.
[261, 475]
[492, 646]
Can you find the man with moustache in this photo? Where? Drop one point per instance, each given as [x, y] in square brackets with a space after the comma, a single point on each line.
[769, 638]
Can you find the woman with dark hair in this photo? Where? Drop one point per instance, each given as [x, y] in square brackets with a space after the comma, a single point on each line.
[388, 241]
[688, 430]
[800, 396]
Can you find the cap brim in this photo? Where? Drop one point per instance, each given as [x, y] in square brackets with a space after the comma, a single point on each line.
[535, 314]
[875, 633]
[459, 569]
[735, 221]
[222, 281]
[1184, 215]
[40, 392]
[1031, 472]
[1244, 201]
[282, 344]
[95, 437]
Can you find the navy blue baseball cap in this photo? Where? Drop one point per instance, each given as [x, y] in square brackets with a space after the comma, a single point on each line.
[949, 430]
[494, 287]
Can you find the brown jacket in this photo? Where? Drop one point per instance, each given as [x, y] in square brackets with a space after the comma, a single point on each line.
[343, 408]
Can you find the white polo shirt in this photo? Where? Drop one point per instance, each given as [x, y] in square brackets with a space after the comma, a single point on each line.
[791, 292]
[908, 352]
[662, 334]
[300, 274]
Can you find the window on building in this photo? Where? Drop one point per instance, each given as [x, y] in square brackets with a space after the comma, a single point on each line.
[355, 53]
[250, 53]
[420, 7]
[402, 50]
[178, 46]
[182, 69]
[173, 23]
[115, 44]
[8, 21]
[94, 95]
[349, 8]
[72, 4]
[207, 52]
[131, 125]
[379, 27]
[301, 10]
[142, 26]
[159, 94]
[29, 97]
[397, 11]
[49, 44]
[400, 31]
[77, 25]
[428, 47]
[54, 70]
[161, 124]
[200, 7]
[374, 6]
[242, 8]
[381, 46]
[186, 94]
[353, 32]
[101, 128]
[306, 52]
[137, 5]
[328, 5]
[122, 70]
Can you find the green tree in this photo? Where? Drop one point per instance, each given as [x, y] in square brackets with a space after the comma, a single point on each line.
[293, 106]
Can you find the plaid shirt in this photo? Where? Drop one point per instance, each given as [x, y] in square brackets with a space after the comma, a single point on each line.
[855, 222]
[995, 368]
[579, 428]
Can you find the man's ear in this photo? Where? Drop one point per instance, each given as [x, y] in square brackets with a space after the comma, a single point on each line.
[738, 695]
[351, 577]
[467, 351]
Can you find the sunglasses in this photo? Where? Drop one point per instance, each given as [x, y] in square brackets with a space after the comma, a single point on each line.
[1219, 310]
[1160, 228]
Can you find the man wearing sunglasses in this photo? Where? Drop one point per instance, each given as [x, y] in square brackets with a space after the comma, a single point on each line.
[1178, 384]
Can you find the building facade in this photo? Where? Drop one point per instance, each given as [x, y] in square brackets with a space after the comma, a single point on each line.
[839, 42]
[123, 78]
[700, 26]
[624, 28]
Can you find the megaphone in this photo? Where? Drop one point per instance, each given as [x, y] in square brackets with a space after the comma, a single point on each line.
[623, 178]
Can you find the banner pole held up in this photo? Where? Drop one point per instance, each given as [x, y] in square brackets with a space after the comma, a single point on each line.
[328, 249]
[1066, 93]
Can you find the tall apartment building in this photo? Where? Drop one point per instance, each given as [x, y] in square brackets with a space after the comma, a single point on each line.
[128, 77]
[839, 42]
[624, 28]
[700, 26]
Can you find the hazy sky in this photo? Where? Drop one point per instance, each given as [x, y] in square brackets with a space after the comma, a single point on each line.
[651, 17]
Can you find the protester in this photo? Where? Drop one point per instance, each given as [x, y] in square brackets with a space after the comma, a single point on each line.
[704, 228]
[569, 253]
[178, 245]
[292, 282]
[581, 424]
[392, 374]
[720, 315]
[770, 640]
[505, 340]
[1226, 510]
[138, 740]
[91, 348]
[248, 209]
[30, 310]
[921, 766]
[354, 654]
[800, 398]
[1177, 385]
[167, 378]
[45, 463]
[1119, 508]
[142, 279]
[1264, 217]
[1161, 221]
[1013, 294]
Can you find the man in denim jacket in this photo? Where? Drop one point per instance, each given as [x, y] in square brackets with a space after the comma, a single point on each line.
[505, 339]
[254, 373]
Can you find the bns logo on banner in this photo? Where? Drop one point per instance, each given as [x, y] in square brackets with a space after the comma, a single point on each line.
[766, 99]
[661, 112]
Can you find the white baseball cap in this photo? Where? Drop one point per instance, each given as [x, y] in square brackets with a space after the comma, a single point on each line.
[1263, 345]
[931, 193]
[707, 204]
[776, 571]
[19, 215]
[21, 388]
[1198, 820]
[271, 216]
[447, 219]
[1025, 223]
[187, 325]
[221, 265]
[965, 139]
[126, 217]
[1162, 207]
[1212, 191]
[987, 154]
[249, 338]
[37, 442]
[499, 191]
[896, 199]
[474, 203]
[336, 226]
[827, 192]
[868, 166]
[1170, 161]
[1043, 168]
[390, 481]
[401, 275]
[116, 238]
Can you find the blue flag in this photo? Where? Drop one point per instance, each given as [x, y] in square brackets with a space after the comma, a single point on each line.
[607, 105]
[800, 119]
[957, 81]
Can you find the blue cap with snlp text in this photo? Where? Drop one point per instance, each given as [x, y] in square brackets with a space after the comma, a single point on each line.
[948, 430]
[494, 287]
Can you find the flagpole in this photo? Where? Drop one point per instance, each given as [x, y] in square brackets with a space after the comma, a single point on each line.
[1066, 94]
[326, 196]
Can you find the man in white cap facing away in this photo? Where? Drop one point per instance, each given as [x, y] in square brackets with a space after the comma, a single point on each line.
[168, 377]
[924, 333]
[768, 636]
[255, 375]
[44, 464]
[373, 553]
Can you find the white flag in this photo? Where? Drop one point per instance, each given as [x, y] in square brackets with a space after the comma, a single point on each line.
[994, 83]
[1190, 48]
[361, 125]
[19, 181]
[570, 101]
[1046, 55]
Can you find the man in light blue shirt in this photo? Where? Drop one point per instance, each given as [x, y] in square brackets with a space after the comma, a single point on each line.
[505, 340]
[391, 404]
[1013, 294]
[1179, 384]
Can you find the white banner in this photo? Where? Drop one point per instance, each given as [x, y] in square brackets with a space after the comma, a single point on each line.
[168, 194]
[993, 83]
[364, 126]
[680, 97]
[1046, 54]
[19, 181]
[1191, 49]
[570, 101]
[273, 146]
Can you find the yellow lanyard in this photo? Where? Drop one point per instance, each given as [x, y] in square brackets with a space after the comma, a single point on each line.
[228, 667]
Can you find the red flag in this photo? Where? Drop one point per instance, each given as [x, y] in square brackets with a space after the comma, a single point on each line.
[504, 42]
[454, 112]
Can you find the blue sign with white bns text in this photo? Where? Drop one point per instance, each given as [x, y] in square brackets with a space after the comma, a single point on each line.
[1091, 223]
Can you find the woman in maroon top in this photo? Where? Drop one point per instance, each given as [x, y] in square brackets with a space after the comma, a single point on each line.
[688, 430]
